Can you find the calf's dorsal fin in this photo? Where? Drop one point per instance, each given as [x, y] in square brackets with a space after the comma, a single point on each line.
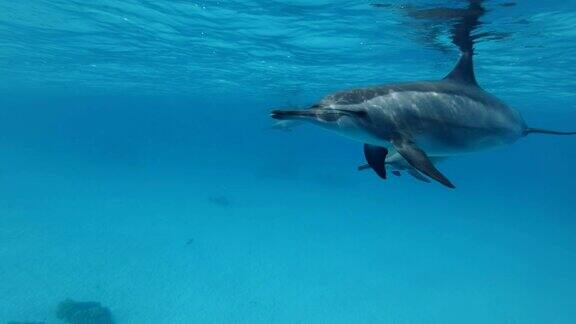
[463, 72]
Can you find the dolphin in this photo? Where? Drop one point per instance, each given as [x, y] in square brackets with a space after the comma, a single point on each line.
[423, 120]
[420, 120]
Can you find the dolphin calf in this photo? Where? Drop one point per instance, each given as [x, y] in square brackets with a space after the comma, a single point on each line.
[397, 164]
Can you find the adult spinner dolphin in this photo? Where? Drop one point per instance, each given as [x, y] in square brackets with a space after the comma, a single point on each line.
[419, 120]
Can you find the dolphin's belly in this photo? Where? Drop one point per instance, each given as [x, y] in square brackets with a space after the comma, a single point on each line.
[447, 124]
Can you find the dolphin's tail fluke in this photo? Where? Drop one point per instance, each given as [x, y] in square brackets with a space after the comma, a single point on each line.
[545, 131]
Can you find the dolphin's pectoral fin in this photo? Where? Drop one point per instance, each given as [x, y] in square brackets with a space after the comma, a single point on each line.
[420, 161]
[418, 176]
[396, 173]
[376, 158]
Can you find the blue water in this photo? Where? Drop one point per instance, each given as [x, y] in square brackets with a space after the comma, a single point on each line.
[138, 168]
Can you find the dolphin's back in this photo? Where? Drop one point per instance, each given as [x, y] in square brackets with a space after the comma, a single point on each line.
[361, 95]
[454, 116]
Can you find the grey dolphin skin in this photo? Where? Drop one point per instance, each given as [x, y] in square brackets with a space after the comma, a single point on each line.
[422, 120]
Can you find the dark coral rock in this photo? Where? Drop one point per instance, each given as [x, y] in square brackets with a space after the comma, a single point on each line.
[73, 312]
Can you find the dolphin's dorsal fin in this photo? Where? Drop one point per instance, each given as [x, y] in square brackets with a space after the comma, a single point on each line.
[463, 72]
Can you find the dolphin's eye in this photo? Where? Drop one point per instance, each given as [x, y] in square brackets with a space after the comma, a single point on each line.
[315, 106]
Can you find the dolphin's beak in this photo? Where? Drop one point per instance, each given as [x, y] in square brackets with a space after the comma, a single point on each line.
[326, 115]
[291, 114]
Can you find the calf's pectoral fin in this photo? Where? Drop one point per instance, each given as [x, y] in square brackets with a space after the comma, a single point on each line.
[376, 158]
[419, 160]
